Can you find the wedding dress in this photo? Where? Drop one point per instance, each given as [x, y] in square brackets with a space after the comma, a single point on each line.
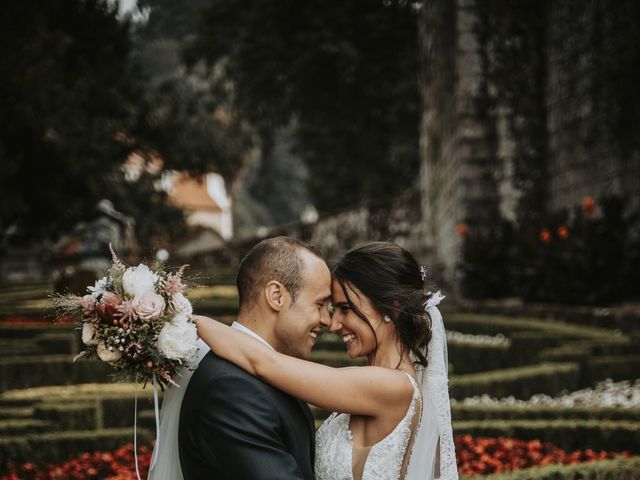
[338, 459]
[422, 443]
[419, 448]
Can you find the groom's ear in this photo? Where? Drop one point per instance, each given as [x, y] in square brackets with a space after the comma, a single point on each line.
[275, 294]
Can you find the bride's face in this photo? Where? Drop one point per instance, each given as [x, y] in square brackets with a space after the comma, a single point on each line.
[358, 336]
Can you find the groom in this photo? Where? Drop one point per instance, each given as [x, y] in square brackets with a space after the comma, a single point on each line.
[232, 425]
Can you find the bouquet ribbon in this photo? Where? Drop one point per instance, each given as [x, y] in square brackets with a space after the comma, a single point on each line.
[154, 458]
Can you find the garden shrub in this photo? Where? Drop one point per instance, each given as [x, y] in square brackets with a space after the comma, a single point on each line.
[571, 434]
[521, 382]
[589, 255]
[615, 469]
[461, 412]
[56, 447]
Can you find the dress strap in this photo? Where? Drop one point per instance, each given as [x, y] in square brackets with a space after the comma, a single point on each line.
[414, 384]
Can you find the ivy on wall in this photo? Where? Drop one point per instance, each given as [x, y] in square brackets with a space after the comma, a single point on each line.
[512, 49]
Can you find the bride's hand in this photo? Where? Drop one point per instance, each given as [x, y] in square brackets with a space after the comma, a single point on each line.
[203, 322]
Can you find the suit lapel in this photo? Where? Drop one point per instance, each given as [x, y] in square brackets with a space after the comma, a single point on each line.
[311, 427]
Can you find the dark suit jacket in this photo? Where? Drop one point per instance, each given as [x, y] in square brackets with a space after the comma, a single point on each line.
[235, 427]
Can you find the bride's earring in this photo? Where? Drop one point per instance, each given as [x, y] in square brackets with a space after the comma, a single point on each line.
[387, 319]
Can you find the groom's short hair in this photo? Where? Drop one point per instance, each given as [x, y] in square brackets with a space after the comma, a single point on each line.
[274, 258]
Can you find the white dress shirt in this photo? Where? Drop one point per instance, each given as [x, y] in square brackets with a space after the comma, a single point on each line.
[242, 328]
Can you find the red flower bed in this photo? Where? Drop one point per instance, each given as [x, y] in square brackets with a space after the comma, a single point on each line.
[479, 455]
[483, 455]
[117, 465]
[35, 321]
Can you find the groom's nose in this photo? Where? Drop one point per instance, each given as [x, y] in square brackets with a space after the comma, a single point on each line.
[325, 317]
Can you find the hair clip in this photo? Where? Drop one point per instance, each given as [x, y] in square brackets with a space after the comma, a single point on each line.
[423, 272]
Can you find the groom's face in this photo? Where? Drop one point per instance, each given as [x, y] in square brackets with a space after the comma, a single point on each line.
[299, 323]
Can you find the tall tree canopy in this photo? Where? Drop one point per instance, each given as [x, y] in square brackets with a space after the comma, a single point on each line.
[65, 93]
[79, 93]
[344, 71]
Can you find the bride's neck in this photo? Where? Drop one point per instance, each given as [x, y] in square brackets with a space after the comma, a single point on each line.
[389, 355]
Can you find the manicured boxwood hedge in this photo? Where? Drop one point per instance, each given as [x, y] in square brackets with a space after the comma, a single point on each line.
[472, 358]
[537, 412]
[57, 447]
[76, 415]
[616, 469]
[492, 325]
[616, 367]
[23, 426]
[522, 382]
[610, 435]
[35, 371]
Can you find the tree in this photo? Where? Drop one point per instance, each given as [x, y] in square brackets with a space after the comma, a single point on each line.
[344, 71]
[79, 95]
[67, 91]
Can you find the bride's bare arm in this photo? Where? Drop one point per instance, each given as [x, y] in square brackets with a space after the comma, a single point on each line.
[356, 390]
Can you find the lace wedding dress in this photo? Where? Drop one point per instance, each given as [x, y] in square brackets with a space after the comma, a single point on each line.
[338, 459]
[419, 448]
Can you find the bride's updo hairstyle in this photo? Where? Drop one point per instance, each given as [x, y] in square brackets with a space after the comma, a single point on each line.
[391, 278]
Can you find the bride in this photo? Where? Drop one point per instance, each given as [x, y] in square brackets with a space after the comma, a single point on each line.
[392, 418]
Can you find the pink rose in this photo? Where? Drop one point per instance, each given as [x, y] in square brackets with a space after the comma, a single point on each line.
[88, 305]
[181, 305]
[149, 305]
[107, 306]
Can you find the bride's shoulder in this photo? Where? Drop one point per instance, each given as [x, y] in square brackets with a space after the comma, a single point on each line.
[397, 384]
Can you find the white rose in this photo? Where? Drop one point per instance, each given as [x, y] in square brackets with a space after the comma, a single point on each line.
[107, 355]
[89, 334]
[148, 305]
[177, 339]
[181, 305]
[138, 280]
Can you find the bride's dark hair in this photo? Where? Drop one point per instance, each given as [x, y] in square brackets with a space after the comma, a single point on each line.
[392, 280]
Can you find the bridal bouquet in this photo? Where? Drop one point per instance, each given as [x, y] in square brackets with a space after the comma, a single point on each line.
[137, 319]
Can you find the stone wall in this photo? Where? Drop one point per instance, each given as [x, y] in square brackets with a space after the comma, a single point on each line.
[457, 134]
[528, 107]
[590, 50]
[398, 220]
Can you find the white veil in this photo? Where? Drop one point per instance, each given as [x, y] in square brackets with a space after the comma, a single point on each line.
[433, 454]
[165, 463]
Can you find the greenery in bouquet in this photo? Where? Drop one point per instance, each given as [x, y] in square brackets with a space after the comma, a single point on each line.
[137, 319]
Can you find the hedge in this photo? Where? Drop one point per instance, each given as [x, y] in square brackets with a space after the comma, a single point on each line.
[23, 426]
[216, 306]
[610, 435]
[18, 348]
[472, 358]
[11, 331]
[616, 367]
[492, 325]
[30, 397]
[335, 359]
[41, 370]
[77, 415]
[52, 343]
[58, 447]
[616, 469]
[540, 412]
[522, 382]
[7, 413]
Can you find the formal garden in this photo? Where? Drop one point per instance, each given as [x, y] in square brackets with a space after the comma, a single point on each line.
[495, 140]
[567, 406]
